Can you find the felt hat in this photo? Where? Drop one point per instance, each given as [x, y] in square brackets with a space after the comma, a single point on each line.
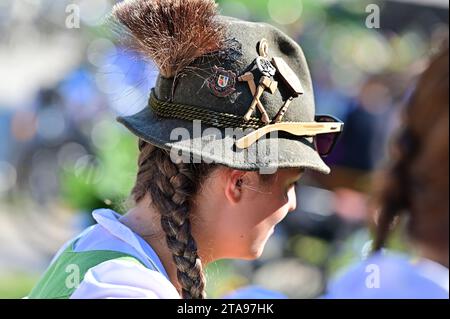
[249, 78]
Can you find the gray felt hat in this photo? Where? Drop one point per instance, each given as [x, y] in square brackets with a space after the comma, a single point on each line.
[211, 104]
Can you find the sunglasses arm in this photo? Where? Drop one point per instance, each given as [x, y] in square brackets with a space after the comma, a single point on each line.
[295, 128]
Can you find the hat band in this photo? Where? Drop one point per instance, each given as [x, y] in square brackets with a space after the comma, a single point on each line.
[191, 113]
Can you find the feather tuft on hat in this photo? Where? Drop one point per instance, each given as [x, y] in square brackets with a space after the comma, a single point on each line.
[172, 33]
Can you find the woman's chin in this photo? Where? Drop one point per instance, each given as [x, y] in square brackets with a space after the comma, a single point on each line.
[253, 255]
[257, 250]
[252, 251]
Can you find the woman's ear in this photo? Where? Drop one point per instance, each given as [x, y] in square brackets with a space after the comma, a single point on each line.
[233, 185]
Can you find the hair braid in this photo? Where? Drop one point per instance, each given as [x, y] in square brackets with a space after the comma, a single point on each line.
[416, 182]
[171, 187]
[395, 187]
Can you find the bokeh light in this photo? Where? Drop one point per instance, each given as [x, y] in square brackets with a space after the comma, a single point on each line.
[287, 12]
[62, 154]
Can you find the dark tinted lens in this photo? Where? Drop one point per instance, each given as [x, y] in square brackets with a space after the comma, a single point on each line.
[325, 143]
[325, 118]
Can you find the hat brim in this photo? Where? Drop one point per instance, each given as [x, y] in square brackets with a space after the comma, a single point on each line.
[203, 142]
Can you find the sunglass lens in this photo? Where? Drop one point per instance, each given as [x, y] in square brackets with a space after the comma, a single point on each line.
[325, 142]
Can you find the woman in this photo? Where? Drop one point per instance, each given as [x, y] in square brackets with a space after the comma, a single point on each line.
[414, 186]
[204, 196]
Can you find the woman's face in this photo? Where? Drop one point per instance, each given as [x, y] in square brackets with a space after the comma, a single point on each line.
[243, 212]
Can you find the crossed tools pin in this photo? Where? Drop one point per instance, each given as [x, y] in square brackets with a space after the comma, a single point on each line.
[268, 70]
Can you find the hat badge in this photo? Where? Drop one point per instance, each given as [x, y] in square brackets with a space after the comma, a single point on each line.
[222, 82]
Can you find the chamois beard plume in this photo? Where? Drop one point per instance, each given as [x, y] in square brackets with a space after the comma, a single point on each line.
[172, 33]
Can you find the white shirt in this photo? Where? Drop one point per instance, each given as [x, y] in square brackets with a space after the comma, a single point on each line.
[434, 272]
[120, 278]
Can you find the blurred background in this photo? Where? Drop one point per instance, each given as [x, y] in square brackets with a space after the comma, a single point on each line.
[63, 82]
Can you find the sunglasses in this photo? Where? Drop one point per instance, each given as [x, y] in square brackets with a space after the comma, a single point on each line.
[325, 131]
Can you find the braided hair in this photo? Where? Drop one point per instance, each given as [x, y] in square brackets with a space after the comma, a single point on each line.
[416, 182]
[172, 187]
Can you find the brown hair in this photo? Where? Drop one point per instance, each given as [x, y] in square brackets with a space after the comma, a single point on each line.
[171, 187]
[416, 181]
